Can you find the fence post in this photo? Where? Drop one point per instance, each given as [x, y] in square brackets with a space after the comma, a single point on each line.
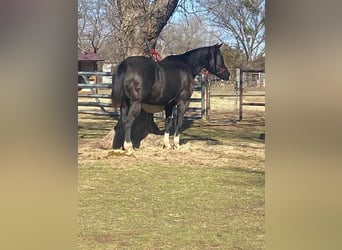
[239, 80]
[207, 99]
[203, 97]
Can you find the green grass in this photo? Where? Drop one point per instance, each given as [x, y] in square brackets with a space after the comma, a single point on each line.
[207, 197]
[179, 207]
[216, 134]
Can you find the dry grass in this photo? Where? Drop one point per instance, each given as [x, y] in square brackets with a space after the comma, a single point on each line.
[200, 145]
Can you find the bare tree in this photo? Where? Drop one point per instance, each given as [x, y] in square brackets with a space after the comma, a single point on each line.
[180, 37]
[141, 22]
[117, 29]
[93, 26]
[244, 21]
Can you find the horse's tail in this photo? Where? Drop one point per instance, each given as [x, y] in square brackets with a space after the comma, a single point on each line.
[117, 87]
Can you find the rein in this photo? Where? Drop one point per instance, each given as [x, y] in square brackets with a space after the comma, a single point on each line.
[213, 63]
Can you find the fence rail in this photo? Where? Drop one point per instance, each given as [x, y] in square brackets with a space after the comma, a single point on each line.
[241, 80]
[95, 86]
[208, 97]
[88, 96]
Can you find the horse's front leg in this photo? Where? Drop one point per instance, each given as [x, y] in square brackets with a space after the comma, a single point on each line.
[168, 124]
[134, 110]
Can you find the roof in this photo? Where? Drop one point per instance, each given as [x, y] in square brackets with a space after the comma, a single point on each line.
[88, 56]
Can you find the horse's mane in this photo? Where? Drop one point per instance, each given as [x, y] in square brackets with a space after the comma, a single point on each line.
[193, 59]
[187, 53]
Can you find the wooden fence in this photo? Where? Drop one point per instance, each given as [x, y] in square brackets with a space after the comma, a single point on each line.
[95, 93]
[240, 79]
[94, 96]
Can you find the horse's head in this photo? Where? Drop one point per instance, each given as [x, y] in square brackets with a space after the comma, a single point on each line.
[216, 64]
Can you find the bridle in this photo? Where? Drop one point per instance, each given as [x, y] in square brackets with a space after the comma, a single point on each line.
[214, 65]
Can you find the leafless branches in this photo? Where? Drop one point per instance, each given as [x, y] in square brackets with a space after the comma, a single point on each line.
[119, 28]
[244, 21]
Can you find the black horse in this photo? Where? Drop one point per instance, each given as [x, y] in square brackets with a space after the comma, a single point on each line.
[141, 82]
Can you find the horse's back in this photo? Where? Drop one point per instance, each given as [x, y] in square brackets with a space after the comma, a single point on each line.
[135, 77]
[137, 63]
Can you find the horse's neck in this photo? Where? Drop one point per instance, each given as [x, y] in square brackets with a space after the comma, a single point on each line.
[196, 62]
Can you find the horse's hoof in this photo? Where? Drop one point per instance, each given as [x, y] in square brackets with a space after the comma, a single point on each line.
[128, 146]
[129, 151]
[176, 146]
[167, 147]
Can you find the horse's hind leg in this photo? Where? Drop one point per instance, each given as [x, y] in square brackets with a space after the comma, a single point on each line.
[130, 112]
[168, 124]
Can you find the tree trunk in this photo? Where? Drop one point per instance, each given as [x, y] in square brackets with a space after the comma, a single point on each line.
[141, 23]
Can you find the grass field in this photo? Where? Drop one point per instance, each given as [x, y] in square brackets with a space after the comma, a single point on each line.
[209, 194]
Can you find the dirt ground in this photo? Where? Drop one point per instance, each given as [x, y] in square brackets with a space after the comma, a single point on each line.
[217, 142]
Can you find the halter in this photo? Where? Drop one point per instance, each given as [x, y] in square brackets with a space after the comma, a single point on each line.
[213, 63]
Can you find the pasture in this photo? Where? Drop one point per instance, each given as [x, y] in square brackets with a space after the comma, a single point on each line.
[209, 194]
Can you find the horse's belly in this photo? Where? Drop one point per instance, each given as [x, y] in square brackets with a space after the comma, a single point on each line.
[149, 108]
